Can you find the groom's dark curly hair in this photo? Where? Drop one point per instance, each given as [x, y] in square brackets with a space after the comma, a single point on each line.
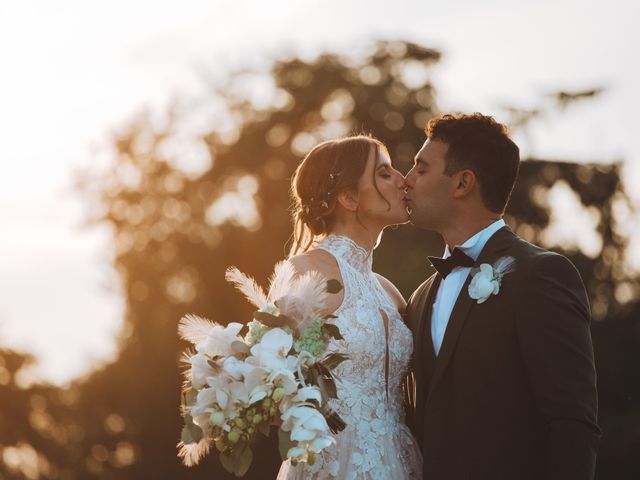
[479, 143]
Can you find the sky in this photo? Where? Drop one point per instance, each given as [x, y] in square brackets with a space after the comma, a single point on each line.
[74, 71]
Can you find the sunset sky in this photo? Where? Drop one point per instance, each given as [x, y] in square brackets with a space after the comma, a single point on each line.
[73, 71]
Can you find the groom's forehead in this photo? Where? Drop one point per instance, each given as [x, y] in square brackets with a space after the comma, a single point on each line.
[434, 147]
[421, 153]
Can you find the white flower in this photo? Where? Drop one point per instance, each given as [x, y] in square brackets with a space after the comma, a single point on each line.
[486, 281]
[235, 368]
[484, 284]
[223, 394]
[309, 428]
[297, 454]
[200, 370]
[256, 382]
[208, 397]
[306, 425]
[272, 350]
[286, 379]
[219, 340]
[308, 393]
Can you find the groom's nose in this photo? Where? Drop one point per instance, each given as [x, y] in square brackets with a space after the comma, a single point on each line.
[400, 182]
[408, 180]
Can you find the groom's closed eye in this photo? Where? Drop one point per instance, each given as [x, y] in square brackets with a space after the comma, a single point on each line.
[420, 166]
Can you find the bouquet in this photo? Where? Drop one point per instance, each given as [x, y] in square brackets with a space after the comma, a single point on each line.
[280, 372]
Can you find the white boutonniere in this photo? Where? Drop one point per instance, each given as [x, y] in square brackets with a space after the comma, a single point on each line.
[486, 279]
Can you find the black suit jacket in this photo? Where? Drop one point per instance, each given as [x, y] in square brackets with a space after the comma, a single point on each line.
[512, 393]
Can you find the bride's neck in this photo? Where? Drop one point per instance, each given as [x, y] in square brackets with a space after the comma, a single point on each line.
[366, 238]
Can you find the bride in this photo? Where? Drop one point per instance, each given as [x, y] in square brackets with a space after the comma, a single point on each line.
[346, 192]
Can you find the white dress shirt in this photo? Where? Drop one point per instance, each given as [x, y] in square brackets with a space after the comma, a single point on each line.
[450, 287]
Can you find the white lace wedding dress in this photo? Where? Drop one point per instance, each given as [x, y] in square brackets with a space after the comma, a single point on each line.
[376, 444]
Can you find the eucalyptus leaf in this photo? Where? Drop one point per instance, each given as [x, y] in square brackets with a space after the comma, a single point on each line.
[335, 422]
[238, 460]
[311, 376]
[284, 443]
[332, 360]
[322, 370]
[271, 320]
[244, 462]
[228, 462]
[327, 387]
[239, 447]
[334, 286]
[332, 330]
[191, 433]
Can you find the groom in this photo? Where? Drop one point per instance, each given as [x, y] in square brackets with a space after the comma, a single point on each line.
[503, 385]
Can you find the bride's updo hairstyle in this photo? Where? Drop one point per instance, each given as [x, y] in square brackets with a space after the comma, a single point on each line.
[330, 168]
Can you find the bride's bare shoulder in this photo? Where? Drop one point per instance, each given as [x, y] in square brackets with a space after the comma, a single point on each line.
[317, 260]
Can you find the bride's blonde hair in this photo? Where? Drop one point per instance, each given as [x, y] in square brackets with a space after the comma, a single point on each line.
[332, 167]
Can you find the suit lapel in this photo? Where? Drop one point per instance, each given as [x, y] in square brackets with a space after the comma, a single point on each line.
[423, 356]
[425, 312]
[499, 242]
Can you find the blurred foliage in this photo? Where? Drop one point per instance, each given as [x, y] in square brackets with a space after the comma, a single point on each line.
[207, 187]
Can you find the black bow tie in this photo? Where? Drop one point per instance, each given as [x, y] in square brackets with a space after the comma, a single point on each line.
[457, 259]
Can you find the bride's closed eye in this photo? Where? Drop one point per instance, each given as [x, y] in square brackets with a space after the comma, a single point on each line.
[383, 172]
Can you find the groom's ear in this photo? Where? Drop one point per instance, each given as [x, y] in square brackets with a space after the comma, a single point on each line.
[348, 199]
[465, 181]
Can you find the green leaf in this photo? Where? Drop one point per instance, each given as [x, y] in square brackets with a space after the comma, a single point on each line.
[284, 443]
[237, 461]
[244, 462]
[332, 360]
[228, 462]
[191, 433]
[334, 286]
[332, 330]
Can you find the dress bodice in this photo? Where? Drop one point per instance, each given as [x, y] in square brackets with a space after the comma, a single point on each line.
[370, 400]
[376, 339]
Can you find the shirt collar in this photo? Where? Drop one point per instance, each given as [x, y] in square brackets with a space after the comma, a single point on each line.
[474, 245]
